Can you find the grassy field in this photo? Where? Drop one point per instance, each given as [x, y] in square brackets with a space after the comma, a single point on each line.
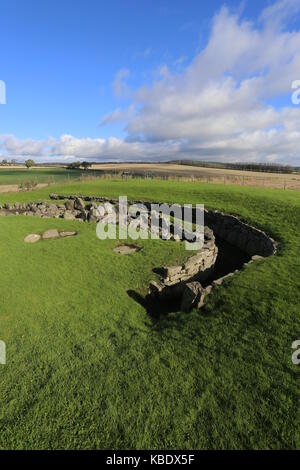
[39, 175]
[88, 368]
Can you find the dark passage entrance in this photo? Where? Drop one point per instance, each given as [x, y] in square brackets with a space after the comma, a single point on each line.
[230, 258]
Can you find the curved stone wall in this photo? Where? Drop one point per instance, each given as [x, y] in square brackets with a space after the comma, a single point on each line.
[249, 239]
[228, 227]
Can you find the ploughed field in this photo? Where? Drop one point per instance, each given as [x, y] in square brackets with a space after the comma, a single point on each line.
[87, 367]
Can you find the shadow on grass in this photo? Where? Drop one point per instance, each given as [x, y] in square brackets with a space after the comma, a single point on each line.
[155, 308]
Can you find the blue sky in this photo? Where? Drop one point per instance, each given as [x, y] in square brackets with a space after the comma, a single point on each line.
[59, 57]
[80, 69]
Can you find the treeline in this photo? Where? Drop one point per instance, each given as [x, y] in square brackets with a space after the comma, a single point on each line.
[260, 167]
[5, 162]
[28, 163]
[79, 165]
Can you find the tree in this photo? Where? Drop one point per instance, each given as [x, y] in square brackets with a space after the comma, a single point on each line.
[86, 165]
[4, 162]
[29, 163]
[74, 166]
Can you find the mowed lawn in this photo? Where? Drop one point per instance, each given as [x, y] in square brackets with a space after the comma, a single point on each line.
[87, 368]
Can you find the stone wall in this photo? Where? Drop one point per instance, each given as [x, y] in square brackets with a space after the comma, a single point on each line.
[228, 227]
[197, 268]
[249, 239]
[189, 291]
[71, 210]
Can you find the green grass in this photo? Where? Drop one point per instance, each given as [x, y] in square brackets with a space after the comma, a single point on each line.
[88, 368]
[39, 175]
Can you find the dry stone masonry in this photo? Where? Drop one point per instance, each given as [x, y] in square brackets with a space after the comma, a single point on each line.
[197, 268]
[247, 238]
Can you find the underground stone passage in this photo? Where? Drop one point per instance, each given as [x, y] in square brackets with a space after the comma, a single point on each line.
[230, 259]
[229, 244]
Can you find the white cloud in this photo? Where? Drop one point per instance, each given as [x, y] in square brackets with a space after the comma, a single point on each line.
[277, 13]
[69, 147]
[118, 115]
[121, 89]
[216, 108]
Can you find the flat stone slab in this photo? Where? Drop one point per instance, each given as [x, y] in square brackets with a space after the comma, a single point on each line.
[50, 234]
[127, 249]
[32, 238]
[69, 215]
[67, 234]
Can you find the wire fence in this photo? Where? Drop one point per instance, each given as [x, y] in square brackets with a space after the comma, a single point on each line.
[285, 182]
[276, 181]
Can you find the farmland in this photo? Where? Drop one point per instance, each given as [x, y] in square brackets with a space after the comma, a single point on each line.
[207, 175]
[11, 178]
